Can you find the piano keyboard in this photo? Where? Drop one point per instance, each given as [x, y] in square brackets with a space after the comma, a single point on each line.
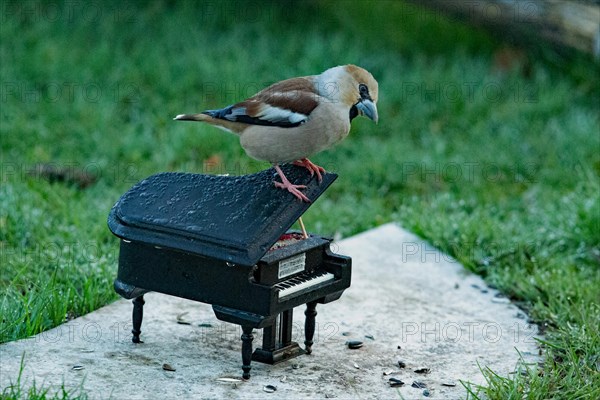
[301, 282]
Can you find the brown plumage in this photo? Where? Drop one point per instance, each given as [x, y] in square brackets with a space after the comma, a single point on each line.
[295, 118]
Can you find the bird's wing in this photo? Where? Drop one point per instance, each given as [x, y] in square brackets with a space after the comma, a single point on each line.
[285, 104]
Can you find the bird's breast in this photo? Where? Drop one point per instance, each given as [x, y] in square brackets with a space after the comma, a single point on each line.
[325, 127]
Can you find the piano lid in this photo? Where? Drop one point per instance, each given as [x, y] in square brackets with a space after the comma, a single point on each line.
[232, 218]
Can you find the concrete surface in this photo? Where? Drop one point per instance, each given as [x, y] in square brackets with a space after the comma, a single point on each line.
[407, 302]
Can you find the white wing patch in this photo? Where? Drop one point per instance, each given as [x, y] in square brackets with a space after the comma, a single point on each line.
[276, 114]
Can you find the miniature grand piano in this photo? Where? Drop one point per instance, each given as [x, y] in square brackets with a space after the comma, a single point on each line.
[225, 241]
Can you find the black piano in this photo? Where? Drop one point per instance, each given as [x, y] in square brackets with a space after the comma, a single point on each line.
[226, 241]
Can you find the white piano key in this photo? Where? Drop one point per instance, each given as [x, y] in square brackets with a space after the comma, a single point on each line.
[313, 281]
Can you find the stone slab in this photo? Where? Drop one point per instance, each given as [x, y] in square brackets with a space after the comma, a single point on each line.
[407, 302]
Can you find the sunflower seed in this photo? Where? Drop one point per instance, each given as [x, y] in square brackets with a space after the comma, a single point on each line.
[269, 388]
[422, 371]
[205, 325]
[168, 367]
[449, 384]
[418, 385]
[229, 380]
[356, 366]
[354, 344]
[180, 319]
[401, 364]
[77, 367]
[388, 372]
[370, 337]
[394, 382]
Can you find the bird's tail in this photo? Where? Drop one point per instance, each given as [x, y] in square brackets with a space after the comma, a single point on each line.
[229, 126]
[193, 117]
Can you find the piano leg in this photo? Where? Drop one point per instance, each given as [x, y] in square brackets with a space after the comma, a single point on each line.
[247, 338]
[138, 314]
[309, 325]
[286, 320]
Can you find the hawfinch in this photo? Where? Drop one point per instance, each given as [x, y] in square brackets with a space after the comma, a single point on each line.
[295, 118]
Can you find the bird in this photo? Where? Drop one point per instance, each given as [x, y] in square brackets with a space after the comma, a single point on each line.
[293, 119]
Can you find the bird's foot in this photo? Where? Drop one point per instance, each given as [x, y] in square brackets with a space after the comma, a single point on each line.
[311, 167]
[293, 189]
[290, 187]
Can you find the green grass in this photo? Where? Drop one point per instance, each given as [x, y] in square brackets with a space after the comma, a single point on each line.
[18, 390]
[500, 170]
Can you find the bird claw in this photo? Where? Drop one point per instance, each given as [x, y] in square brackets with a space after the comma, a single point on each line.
[311, 167]
[293, 189]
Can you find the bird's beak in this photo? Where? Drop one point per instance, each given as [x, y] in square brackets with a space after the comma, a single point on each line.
[367, 108]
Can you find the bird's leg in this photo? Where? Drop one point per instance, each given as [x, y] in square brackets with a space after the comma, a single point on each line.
[285, 184]
[311, 167]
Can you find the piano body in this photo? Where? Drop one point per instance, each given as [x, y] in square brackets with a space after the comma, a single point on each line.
[225, 241]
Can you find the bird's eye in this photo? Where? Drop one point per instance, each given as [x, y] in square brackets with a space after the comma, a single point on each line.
[363, 89]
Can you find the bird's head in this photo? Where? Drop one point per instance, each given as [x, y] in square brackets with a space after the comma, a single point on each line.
[354, 87]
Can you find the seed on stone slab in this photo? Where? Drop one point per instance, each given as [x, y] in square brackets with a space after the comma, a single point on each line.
[449, 384]
[229, 380]
[388, 372]
[205, 325]
[168, 367]
[370, 337]
[354, 344]
[356, 366]
[180, 319]
[269, 388]
[283, 379]
[422, 371]
[401, 364]
[345, 333]
[77, 367]
[395, 382]
[426, 393]
[418, 385]
[295, 366]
